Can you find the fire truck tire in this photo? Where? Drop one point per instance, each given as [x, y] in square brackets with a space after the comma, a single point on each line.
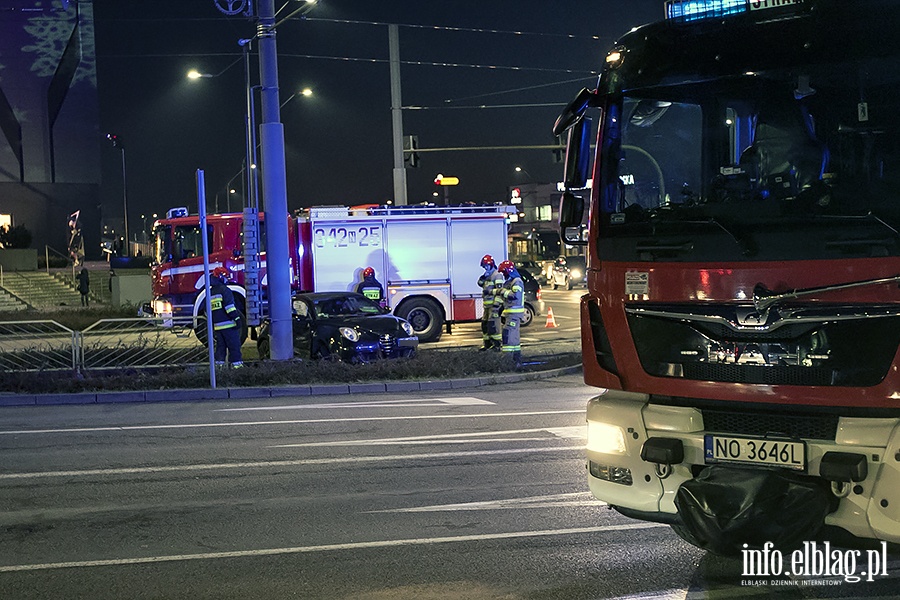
[426, 317]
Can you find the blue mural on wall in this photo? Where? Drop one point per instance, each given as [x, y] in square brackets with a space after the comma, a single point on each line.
[48, 92]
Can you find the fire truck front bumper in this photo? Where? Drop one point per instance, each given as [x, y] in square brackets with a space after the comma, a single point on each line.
[664, 463]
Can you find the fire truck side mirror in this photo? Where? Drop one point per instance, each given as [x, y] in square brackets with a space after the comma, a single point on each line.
[578, 155]
[571, 213]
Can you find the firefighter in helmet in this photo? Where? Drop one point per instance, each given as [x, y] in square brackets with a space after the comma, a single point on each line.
[226, 319]
[512, 297]
[491, 280]
[371, 288]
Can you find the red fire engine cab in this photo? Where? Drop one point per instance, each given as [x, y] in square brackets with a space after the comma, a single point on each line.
[743, 309]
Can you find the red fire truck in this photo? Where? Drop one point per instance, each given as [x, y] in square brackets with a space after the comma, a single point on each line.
[427, 258]
[743, 310]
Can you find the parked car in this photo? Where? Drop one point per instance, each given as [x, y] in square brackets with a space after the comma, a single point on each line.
[534, 306]
[569, 271]
[534, 268]
[344, 326]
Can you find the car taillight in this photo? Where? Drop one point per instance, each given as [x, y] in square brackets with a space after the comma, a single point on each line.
[538, 295]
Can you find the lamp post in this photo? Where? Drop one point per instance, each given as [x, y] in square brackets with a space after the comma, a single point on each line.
[117, 143]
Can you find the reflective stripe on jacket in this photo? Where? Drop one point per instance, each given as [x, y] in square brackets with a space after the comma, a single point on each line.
[224, 313]
[513, 295]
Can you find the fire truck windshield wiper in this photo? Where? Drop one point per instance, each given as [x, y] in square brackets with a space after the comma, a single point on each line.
[764, 299]
[748, 248]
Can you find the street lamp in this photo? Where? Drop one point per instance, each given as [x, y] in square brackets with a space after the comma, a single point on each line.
[117, 143]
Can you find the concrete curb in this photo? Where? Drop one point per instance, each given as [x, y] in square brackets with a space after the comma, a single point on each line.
[277, 391]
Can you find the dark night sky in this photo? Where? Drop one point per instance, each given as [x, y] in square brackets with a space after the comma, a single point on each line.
[338, 143]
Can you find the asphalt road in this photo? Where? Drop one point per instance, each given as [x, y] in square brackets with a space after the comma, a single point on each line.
[466, 494]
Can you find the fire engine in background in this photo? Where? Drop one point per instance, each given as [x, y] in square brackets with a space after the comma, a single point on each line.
[427, 258]
[743, 310]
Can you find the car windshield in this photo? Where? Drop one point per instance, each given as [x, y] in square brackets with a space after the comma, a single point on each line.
[352, 305]
[793, 163]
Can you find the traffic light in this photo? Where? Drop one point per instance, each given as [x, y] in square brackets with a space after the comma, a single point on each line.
[410, 156]
[114, 140]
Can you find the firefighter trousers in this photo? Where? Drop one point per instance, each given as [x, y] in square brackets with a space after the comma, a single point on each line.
[490, 331]
[510, 337]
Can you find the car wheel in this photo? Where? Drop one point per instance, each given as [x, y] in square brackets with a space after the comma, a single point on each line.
[263, 346]
[425, 316]
[527, 316]
[568, 283]
[323, 353]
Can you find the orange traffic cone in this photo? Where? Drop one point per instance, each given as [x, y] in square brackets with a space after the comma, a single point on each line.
[551, 321]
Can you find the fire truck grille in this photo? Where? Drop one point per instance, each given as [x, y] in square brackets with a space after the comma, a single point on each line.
[829, 348]
[816, 427]
[770, 375]
[388, 343]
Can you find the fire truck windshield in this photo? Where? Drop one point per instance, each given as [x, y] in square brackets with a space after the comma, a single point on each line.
[784, 164]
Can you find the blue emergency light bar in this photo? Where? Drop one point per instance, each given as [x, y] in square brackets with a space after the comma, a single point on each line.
[696, 10]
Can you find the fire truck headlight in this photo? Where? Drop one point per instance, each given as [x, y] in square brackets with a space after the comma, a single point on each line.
[605, 438]
[349, 333]
[162, 307]
[407, 328]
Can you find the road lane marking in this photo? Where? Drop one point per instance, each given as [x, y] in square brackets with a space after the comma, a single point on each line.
[553, 500]
[288, 422]
[461, 401]
[268, 464]
[512, 535]
[426, 439]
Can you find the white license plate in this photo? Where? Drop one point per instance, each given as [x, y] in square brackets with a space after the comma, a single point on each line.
[753, 451]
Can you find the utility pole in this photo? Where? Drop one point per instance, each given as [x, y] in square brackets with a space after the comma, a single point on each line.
[397, 117]
[274, 188]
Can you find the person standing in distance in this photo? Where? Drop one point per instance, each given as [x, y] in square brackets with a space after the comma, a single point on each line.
[490, 281]
[513, 298]
[226, 319]
[84, 285]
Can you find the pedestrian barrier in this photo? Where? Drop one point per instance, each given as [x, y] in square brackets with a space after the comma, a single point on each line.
[37, 346]
[143, 342]
[551, 320]
[106, 344]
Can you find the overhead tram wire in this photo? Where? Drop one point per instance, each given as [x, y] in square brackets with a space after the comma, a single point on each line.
[570, 36]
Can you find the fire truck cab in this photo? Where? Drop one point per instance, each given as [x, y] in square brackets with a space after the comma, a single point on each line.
[743, 309]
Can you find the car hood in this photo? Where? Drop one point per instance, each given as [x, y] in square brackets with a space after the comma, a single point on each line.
[378, 324]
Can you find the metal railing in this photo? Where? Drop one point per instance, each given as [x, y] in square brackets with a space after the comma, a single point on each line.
[105, 345]
[37, 346]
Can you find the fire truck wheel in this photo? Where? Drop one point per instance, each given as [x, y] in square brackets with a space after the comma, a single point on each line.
[425, 316]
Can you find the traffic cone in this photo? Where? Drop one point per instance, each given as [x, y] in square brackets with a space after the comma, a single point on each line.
[551, 320]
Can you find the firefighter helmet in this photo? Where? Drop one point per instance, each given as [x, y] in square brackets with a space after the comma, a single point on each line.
[368, 272]
[506, 267]
[488, 261]
[222, 273]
